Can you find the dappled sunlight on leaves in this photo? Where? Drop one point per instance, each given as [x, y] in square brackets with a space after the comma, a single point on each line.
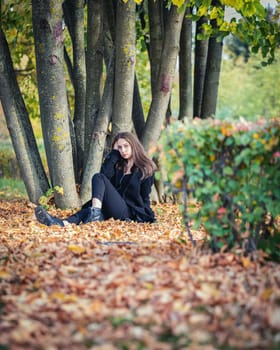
[125, 285]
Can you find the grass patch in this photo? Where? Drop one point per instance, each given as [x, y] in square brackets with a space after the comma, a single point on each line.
[11, 188]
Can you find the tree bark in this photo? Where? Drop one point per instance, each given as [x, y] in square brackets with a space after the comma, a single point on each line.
[185, 69]
[99, 136]
[74, 17]
[200, 54]
[20, 128]
[159, 105]
[156, 39]
[94, 64]
[137, 111]
[211, 84]
[124, 66]
[48, 38]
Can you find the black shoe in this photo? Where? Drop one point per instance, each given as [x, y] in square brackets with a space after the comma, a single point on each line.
[94, 214]
[46, 219]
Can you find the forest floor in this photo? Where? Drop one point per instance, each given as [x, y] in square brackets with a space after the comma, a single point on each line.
[122, 285]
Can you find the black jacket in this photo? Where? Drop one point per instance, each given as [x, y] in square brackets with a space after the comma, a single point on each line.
[136, 192]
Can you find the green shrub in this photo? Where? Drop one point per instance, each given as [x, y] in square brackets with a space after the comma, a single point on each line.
[232, 168]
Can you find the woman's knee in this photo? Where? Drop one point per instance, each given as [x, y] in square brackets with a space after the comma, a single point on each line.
[98, 177]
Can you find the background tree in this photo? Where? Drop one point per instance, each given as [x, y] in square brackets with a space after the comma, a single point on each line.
[20, 128]
[185, 68]
[213, 67]
[201, 50]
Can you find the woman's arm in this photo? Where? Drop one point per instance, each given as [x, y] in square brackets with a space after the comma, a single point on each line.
[108, 166]
[146, 188]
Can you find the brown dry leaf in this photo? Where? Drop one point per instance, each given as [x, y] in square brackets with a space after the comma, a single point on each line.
[115, 285]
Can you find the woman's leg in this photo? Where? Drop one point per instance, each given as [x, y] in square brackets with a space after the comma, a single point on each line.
[103, 192]
[112, 204]
[47, 219]
[78, 217]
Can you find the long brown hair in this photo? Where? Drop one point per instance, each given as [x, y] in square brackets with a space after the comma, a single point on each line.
[140, 159]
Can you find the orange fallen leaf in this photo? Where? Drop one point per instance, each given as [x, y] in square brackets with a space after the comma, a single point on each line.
[246, 262]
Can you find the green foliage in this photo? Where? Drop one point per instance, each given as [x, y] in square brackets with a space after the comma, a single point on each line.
[47, 200]
[233, 170]
[256, 95]
[11, 189]
[262, 35]
[256, 26]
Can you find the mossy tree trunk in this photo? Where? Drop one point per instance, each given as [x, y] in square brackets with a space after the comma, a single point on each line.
[124, 66]
[94, 65]
[48, 35]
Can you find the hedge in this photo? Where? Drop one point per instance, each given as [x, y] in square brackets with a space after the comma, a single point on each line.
[232, 168]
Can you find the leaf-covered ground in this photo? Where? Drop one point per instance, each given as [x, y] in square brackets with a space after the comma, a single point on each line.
[119, 285]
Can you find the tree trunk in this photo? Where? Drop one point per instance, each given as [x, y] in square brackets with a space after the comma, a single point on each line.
[20, 129]
[137, 111]
[101, 122]
[159, 105]
[156, 39]
[200, 54]
[211, 84]
[185, 69]
[212, 75]
[94, 64]
[99, 136]
[74, 18]
[124, 66]
[48, 38]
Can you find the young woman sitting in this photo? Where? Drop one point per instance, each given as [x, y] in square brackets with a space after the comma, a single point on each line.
[121, 190]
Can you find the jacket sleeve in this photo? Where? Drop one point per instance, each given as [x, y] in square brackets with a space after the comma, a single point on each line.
[108, 166]
[146, 188]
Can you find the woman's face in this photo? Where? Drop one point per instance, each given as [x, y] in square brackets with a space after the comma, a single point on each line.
[124, 148]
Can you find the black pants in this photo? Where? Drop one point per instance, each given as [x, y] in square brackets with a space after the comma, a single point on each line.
[113, 205]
